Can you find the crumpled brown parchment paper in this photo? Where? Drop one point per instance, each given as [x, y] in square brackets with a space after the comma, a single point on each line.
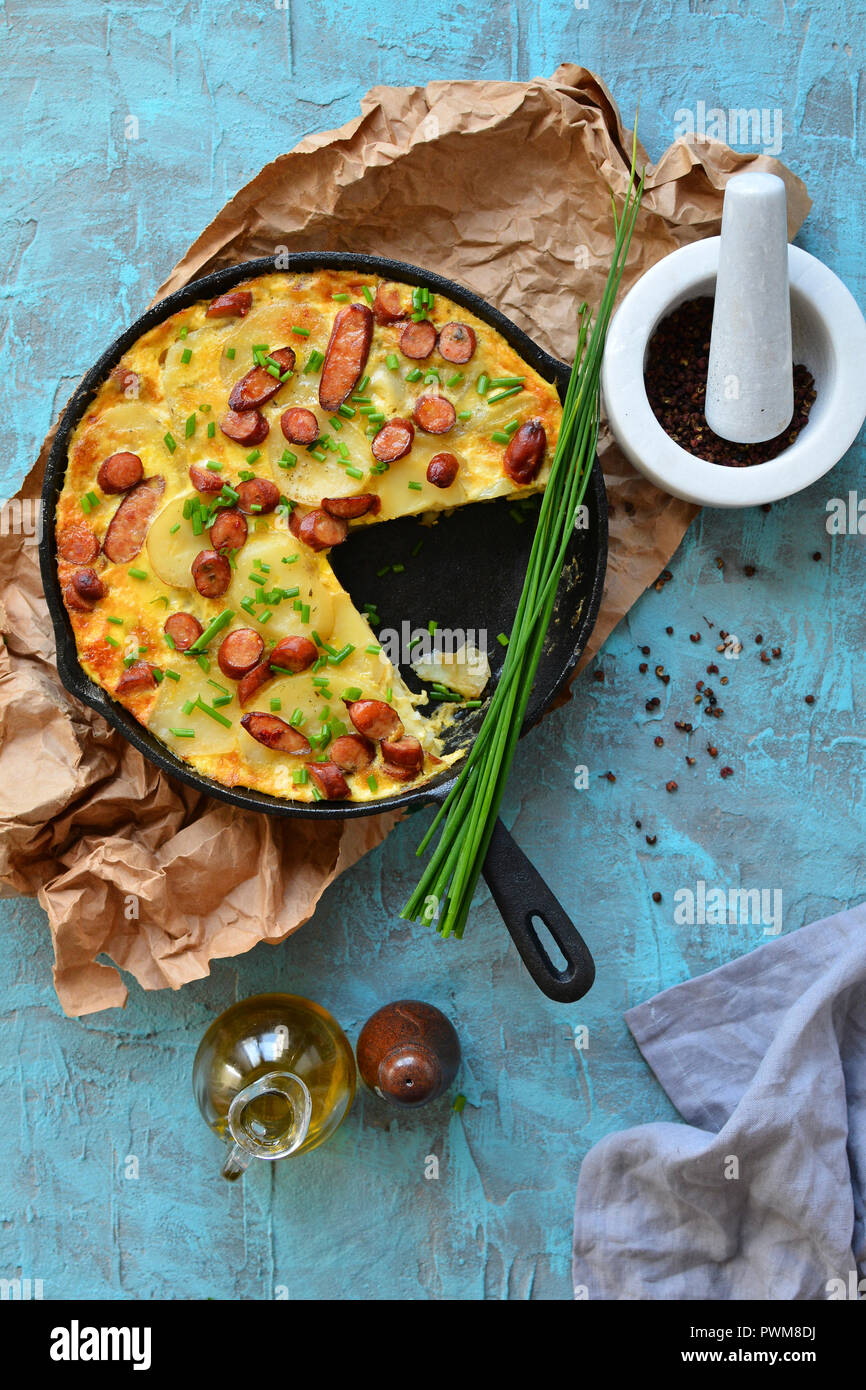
[505, 187]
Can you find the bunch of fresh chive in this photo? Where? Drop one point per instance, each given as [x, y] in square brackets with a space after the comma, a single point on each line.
[467, 817]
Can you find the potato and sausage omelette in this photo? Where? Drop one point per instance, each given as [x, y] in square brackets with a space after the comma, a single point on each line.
[230, 449]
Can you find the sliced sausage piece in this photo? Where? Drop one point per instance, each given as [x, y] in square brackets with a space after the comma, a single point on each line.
[138, 676]
[253, 682]
[127, 381]
[299, 426]
[330, 780]
[259, 386]
[400, 774]
[212, 573]
[205, 479]
[374, 719]
[417, 340]
[391, 302]
[128, 530]
[403, 752]
[320, 531]
[234, 305]
[119, 472]
[294, 654]
[352, 752]
[183, 629]
[74, 600]
[393, 441]
[347, 508]
[525, 453]
[258, 493]
[88, 585]
[245, 427]
[456, 342]
[77, 543]
[434, 414]
[346, 354]
[229, 531]
[274, 732]
[239, 652]
[442, 470]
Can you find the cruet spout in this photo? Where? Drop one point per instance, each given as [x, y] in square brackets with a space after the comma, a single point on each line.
[267, 1119]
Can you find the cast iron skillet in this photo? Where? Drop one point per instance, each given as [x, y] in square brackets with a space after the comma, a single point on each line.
[469, 574]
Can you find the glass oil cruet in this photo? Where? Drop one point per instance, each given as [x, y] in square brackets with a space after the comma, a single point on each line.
[273, 1076]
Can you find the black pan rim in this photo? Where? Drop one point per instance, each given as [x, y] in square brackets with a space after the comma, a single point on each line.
[72, 675]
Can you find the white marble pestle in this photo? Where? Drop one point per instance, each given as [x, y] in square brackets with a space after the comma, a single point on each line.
[750, 389]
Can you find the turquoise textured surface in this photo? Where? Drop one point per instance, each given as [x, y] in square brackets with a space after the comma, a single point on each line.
[93, 223]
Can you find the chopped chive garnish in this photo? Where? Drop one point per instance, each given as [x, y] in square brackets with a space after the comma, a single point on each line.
[384, 570]
[137, 574]
[111, 642]
[187, 707]
[398, 569]
[169, 641]
[341, 298]
[347, 412]
[254, 456]
[314, 361]
[372, 783]
[183, 733]
[230, 353]
[353, 472]
[214, 713]
[86, 506]
[508, 381]
[341, 655]
[186, 356]
[368, 293]
[392, 361]
[416, 487]
[432, 626]
[503, 395]
[499, 437]
[170, 442]
[211, 429]
[389, 693]
[213, 466]
[117, 621]
[300, 776]
[297, 718]
[454, 380]
[464, 415]
[183, 331]
[214, 626]
[172, 675]
[301, 332]
[502, 639]
[363, 384]
[510, 427]
[319, 455]
[373, 649]
[158, 675]
[190, 426]
[264, 617]
[203, 662]
[416, 548]
[352, 692]
[276, 703]
[414, 375]
[482, 385]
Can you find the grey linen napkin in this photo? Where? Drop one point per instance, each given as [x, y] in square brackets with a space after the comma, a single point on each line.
[760, 1194]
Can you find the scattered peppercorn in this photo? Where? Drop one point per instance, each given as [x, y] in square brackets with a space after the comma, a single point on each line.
[810, 699]
[712, 750]
[723, 680]
[726, 772]
[637, 825]
[720, 564]
[766, 507]
[817, 555]
[671, 787]
[749, 570]
[653, 703]
[690, 761]
[657, 897]
[694, 637]
[598, 675]
[676, 383]
[759, 638]
[609, 776]
[669, 631]
[645, 650]
[643, 668]
[682, 726]
[659, 741]
[712, 669]
[777, 652]
[651, 839]
[765, 658]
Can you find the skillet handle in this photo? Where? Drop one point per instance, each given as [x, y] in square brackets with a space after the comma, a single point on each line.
[521, 893]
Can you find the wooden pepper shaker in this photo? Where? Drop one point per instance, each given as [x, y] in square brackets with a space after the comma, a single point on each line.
[408, 1052]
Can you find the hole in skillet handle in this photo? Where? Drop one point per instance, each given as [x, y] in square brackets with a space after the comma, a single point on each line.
[521, 895]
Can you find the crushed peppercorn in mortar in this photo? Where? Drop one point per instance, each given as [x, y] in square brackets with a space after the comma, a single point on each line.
[675, 377]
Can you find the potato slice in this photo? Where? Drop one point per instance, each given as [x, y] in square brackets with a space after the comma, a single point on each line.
[211, 736]
[172, 552]
[307, 574]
